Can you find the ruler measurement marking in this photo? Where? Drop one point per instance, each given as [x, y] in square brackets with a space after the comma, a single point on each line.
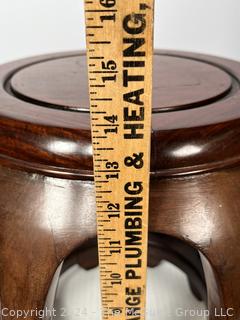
[105, 125]
[120, 84]
[101, 99]
[105, 247]
[107, 211]
[94, 11]
[100, 42]
[110, 279]
[98, 71]
[104, 191]
[107, 170]
[94, 27]
[100, 137]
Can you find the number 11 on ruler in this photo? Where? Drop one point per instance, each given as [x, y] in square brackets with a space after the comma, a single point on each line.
[119, 49]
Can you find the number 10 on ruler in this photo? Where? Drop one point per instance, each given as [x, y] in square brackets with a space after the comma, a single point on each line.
[119, 48]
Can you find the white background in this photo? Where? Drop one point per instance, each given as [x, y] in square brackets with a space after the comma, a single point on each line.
[168, 292]
[30, 27]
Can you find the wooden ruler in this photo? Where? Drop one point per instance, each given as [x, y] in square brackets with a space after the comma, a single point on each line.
[119, 48]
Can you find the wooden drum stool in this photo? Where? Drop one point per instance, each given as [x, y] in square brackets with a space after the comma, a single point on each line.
[47, 202]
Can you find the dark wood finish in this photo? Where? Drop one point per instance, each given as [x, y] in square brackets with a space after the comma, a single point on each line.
[195, 181]
[52, 141]
[62, 83]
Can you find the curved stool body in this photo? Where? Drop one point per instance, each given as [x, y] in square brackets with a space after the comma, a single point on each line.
[47, 204]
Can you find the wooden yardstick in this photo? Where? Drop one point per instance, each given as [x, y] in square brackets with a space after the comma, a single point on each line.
[120, 49]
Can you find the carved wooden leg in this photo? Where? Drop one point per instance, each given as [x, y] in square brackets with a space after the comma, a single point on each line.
[222, 274]
[28, 264]
[220, 247]
[204, 211]
[41, 222]
[28, 257]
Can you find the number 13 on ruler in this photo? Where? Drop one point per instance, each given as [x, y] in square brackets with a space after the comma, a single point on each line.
[119, 49]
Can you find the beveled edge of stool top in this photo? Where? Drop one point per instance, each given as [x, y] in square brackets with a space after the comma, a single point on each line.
[57, 142]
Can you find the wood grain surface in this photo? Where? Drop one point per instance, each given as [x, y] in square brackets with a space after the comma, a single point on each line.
[44, 218]
[44, 137]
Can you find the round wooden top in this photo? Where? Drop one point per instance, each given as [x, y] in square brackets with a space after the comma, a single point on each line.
[45, 123]
[178, 83]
